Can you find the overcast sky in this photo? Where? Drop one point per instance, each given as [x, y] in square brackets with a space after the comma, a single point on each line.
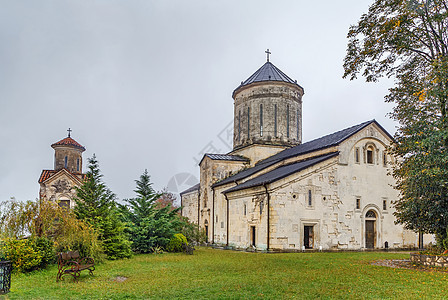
[148, 84]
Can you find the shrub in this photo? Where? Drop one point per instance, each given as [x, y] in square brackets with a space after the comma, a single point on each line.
[22, 254]
[191, 231]
[46, 249]
[175, 244]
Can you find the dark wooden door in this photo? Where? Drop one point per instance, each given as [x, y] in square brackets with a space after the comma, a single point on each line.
[308, 237]
[252, 235]
[370, 234]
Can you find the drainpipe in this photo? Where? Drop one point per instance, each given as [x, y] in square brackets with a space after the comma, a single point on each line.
[199, 205]
[227, 242]
[213, 216]
[268, 224]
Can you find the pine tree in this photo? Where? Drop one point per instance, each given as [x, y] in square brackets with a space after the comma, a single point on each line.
[148, 225]
[95, 204]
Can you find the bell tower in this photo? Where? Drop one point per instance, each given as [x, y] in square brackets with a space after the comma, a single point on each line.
[267, 111]
[68, 154]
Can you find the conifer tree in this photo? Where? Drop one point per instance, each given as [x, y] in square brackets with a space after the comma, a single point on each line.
[95, 204]
[148, 226]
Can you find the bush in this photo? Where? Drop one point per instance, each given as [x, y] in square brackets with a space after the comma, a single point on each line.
[22, 254]
[175, 244]
[46, 249]
[192, 232]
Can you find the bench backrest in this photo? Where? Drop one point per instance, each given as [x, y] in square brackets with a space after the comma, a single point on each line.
[69, 255]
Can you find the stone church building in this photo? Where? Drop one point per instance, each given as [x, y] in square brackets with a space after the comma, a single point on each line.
[274, 192]
[59, 184]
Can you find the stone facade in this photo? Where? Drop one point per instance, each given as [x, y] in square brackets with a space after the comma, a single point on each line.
[330, 193]
[268, 114]
[60, 183]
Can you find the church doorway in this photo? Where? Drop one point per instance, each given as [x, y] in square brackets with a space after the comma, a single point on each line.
[308, 237]
[206, 231]
[252, 236]
[370, 229]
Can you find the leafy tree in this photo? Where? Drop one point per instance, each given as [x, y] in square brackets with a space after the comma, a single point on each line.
[95, 204]
[408, 40]
[148, 225]
[167, 198]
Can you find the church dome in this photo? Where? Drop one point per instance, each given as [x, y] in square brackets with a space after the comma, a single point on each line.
[267, 109]
[267, 72]
[68, 141]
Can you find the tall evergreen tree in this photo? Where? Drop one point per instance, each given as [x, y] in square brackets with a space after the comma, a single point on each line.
[95, 204]
[148, 225]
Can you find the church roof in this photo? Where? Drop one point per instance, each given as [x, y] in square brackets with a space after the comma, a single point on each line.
[49, 173]
[267, 72]
[192, 189]
[68, 141]
[320, 143]
[228, 157]
[281, 172]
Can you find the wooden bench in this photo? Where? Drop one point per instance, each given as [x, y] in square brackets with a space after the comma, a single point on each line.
[71, 263]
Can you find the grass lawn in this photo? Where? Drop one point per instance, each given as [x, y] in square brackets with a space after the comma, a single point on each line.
[222, 274]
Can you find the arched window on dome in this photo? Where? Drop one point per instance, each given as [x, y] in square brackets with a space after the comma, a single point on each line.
[287, 121]
[248, 122]
[77, 165]
[275, 120]
[297, 125]
[65, 161]
[261, 119]
[239, 125]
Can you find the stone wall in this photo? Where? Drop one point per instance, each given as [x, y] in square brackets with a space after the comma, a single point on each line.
[279, 103]
[430, 260]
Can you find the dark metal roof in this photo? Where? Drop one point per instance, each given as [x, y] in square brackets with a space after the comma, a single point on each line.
[267, 72]
[281, 172]
[317, 144]
[226, 157]
[192, 189]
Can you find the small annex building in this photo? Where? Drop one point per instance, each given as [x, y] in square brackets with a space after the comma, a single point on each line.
[273, 192]
[59, 184]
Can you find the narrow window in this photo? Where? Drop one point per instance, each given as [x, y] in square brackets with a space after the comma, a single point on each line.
[384, 158]
[248, 122]
[65, 162]
[275, 120]
[357, 155]
[369, 156]
[297, 125]
[239, 125]
[245, 208]
[216, 219]
[287, 121]
[77, 165]
[384, 204]
[261, 119]
[358, 203]
[310, 199]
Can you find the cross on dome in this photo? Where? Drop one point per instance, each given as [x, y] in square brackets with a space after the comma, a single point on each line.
[267, 54]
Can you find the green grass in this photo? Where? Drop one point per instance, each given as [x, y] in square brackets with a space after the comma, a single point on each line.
[222, 274]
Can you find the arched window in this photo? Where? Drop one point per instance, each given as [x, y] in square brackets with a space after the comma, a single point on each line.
[275, 120]
[297, 125]
[77, 165]
[287, 121]
[369, 154]
[248, 122]
[65, 161]
[261, 119]
[239, 125]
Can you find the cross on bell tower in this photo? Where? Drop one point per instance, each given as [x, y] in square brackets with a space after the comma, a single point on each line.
[267, 54]
[69, 131]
